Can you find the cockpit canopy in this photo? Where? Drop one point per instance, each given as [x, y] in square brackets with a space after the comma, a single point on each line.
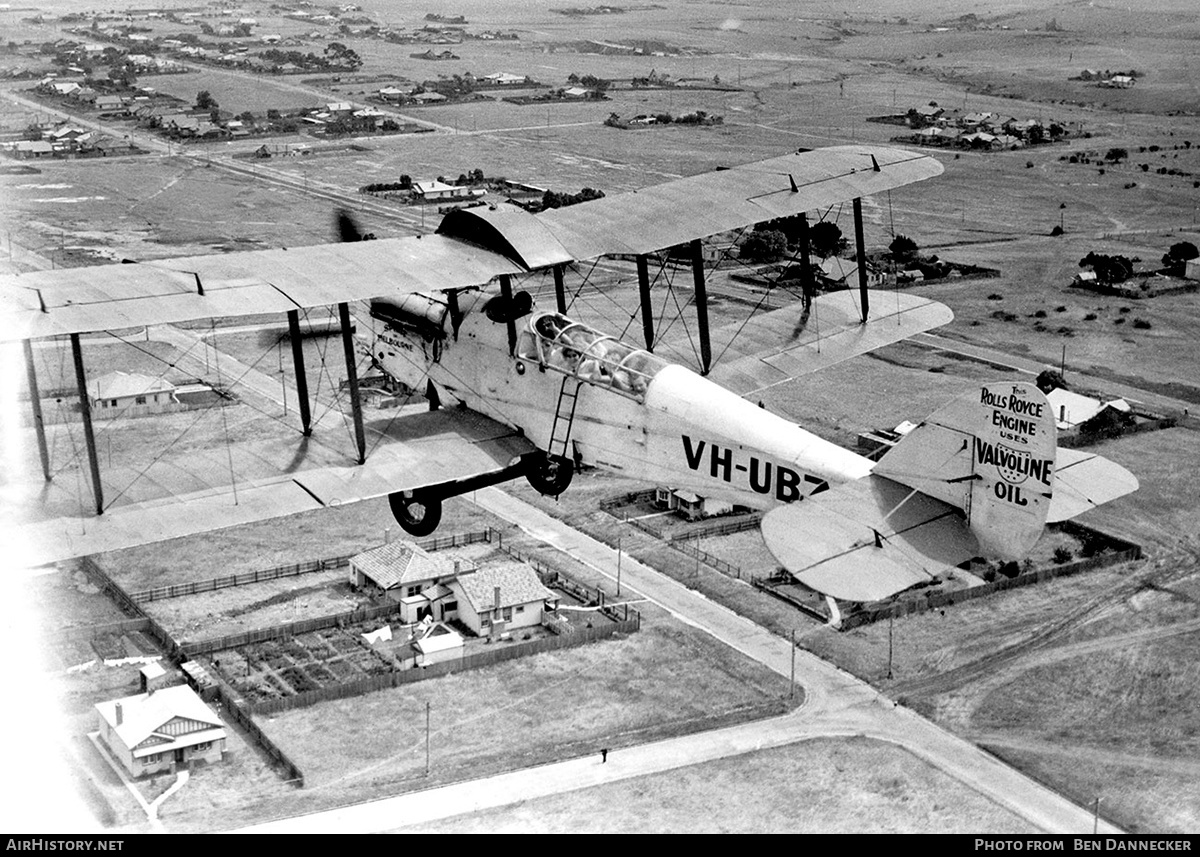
[573, 348]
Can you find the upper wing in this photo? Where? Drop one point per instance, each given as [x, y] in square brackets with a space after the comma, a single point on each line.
[110, 297]
[699, 206]
[430, 448]
[471, 248]
[782, 344]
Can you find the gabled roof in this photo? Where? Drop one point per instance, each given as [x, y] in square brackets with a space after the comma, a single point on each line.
[143, 715]
[118, 385]
[1071, 409]
[399, 563]
[517, 582]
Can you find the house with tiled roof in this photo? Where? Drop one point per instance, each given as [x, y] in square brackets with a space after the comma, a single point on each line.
[158, 731]
[501, 598]
[410, 575]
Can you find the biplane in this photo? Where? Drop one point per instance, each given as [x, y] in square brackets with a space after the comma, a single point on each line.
[521, 391]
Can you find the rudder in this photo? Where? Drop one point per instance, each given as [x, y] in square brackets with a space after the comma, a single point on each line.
[990, 454]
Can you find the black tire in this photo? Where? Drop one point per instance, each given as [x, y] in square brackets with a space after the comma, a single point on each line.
[550, 475]
[418, 516]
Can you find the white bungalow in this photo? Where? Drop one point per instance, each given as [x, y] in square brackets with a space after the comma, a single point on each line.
[408, 574]
[117, 391]
[501, 598]
[153, 732]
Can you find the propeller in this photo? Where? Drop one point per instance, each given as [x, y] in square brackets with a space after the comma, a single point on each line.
[348, 229]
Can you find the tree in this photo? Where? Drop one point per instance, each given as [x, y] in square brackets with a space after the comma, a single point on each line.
[903, 248]
[825, 239]
[205, 101]
[1108, 269]
[763, 246]
[1175, 260]
[1116, 154]
[1048, 379]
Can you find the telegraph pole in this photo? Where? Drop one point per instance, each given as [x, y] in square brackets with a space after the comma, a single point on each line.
[426, 739]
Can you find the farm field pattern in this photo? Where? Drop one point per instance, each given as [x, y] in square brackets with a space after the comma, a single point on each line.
[1086, 682]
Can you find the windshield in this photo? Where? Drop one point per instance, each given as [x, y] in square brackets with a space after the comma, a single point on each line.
[572, 348]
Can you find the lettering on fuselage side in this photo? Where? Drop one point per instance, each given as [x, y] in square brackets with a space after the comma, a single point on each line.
[749, 471]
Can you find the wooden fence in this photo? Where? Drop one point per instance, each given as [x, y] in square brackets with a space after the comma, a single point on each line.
[242, 715]
[705, 557]
[500, 653]
[308, 567]
[291, 629]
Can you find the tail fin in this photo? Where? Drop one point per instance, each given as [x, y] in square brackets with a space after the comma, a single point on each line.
[990, 454]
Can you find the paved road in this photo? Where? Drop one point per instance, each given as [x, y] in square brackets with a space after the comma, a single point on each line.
[836, 704]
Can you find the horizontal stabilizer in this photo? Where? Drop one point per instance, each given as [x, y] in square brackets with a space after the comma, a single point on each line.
[867, 540]
[1083, 481]
[785, 343]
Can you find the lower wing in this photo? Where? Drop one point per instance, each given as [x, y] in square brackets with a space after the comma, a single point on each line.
[435, 448]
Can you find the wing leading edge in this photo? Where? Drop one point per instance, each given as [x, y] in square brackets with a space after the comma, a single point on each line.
[110, 297]
[434, 448]
[679, 211]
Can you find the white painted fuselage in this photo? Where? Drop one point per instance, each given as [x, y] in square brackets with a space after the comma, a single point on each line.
[679, 429]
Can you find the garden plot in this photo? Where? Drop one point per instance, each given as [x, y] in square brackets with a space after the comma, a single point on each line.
[277, 668]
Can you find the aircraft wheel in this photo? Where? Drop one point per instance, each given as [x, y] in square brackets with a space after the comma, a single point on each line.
[418, 516]
[550, 475]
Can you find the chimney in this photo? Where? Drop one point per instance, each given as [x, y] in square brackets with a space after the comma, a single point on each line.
[1062, 413]
[497, 591]
[457, 567]
[120, 715]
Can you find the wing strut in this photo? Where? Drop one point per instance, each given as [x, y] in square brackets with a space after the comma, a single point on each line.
[701, 306]
[560, 289]
[807, 288]
[352, 381]
[643, 272]
[35, 399]
[861, 255]
[85, 408]
[293, 318]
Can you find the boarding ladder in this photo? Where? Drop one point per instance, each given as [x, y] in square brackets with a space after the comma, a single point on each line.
[564, 417]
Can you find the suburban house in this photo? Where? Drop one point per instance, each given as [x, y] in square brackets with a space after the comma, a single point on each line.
[410, 575]
[119, 391]
[153, 732]
[435, 190]
[501, 598]
[503, 78]
[1072, 409]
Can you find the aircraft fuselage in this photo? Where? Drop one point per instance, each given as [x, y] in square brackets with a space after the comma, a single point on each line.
[596, 401]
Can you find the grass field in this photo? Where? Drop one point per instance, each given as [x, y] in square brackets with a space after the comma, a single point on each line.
[811, 787]
[805, 78]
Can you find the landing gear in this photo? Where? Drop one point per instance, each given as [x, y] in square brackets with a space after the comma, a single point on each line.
[418, 515]
[549, 474]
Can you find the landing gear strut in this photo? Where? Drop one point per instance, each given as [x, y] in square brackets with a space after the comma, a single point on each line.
[549, 474]
[418, 515]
